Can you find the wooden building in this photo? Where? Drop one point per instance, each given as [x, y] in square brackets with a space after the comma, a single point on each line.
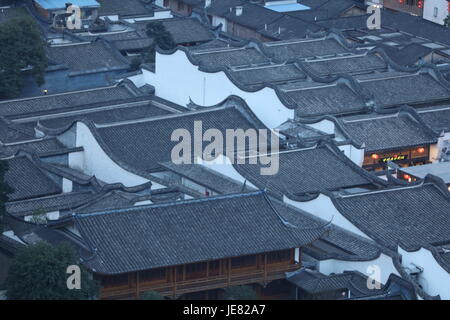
[191, 246]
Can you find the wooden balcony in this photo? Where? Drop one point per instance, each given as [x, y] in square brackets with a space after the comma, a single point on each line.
[174, 289]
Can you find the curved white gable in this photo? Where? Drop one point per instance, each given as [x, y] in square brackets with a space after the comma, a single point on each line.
[176, 79]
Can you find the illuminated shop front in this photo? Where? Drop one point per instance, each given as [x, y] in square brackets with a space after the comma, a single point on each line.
[403, 157]
[438, 169]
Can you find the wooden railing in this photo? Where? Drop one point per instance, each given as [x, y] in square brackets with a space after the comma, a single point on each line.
[175, 289]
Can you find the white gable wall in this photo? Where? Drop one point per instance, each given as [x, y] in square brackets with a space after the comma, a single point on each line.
[434, 279]
[97, 163]
[177, 80]
[435, 10]
[322, 207]
[383, 263]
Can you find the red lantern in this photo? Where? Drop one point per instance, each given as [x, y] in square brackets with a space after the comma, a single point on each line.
[421, 150]
[401, 1]
[420, 4]
[375, 156]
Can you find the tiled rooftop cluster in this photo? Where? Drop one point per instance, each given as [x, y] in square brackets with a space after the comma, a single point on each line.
[98, 159]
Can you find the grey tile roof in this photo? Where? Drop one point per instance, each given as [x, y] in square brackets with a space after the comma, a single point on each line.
[437, 117]
[253, 16]
[187, 30]
[12, 132]
[155, 236]
[336, 243]
[412, 217]
[415, 25]
[87, 57]
[272, 73]
[410, 54]
[345, 23]
[411, 88]
[152, 137]
[288, 27]
[313, 99]
[297, 130]
[49, 203]
[346, 65]
[206, 177]
[66, 102]
[117, 7]
[394, 131]
[314, 282]
[227, 57]
[107, 115]
[133, 44]
[37, 146]
[308, 171]
[301, 49]
[28, 180]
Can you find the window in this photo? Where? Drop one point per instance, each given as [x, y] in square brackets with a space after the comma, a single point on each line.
[196, 270]
[435, 12]
[243, 262]
[278, 256]
[153, 275]
[214, 268]
[115, 281]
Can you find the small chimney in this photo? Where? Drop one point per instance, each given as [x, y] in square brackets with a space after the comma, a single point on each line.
[265, 26]
[239, 11]
[207, 3]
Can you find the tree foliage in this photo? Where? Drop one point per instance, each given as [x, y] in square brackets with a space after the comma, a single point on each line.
[151, 295]
[161, 36]
[38, 272]
[22, 52]
[447, 21]
[240, 293]
[5, 189]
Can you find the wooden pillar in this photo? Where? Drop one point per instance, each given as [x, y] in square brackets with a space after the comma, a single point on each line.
[174, 272]
[184, 272]
[265, 268]
[137, 285]
[229, 271]
[207, 269]
[300, 256]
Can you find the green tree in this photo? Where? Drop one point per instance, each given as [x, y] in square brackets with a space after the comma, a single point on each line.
[135, 63]
[5, 189]
[447, 21]
[39, 272]
[151, 295]
[240, 293]
[22, 52]
[162, 37]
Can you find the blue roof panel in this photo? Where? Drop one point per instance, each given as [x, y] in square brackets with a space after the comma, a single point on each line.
[61, 4]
